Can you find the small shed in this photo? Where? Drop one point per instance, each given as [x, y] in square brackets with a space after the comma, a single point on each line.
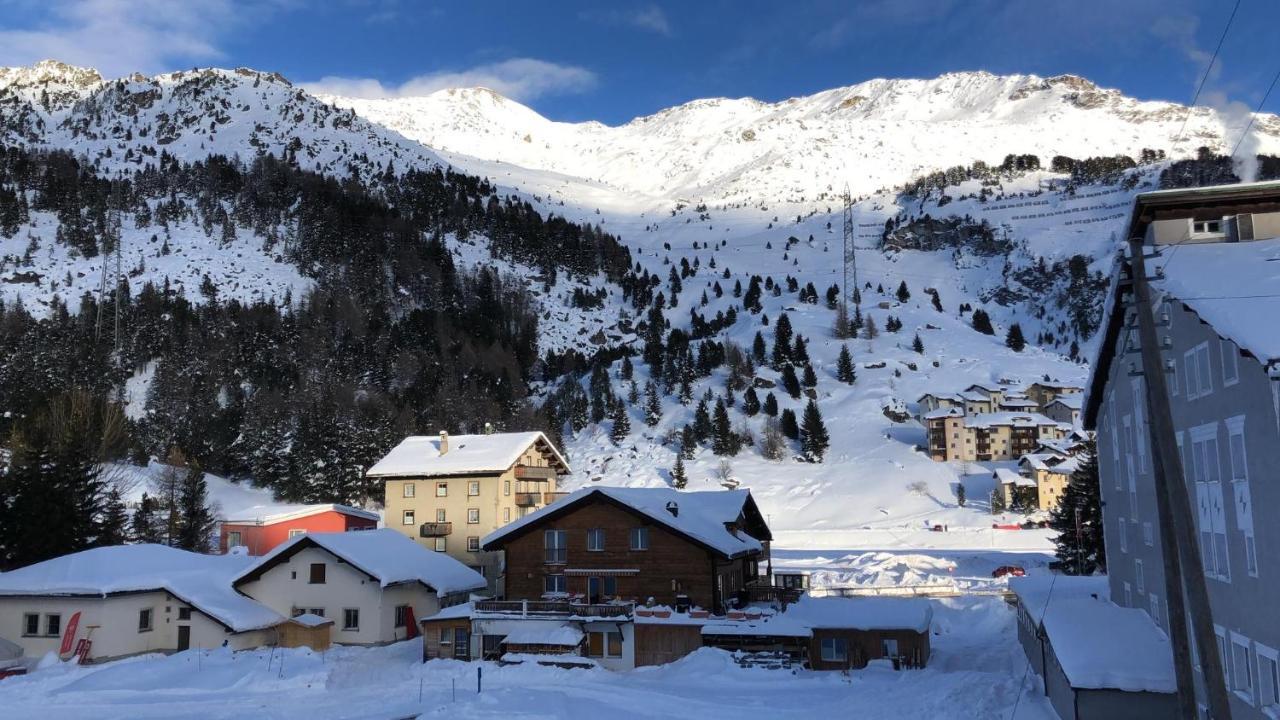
[850, 632]
[447, 634]
[306, 630]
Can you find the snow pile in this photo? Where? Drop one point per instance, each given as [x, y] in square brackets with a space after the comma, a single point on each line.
[203, 581]
[385, 554]
[1104, 646]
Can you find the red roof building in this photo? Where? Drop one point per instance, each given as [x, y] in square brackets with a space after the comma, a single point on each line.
[259, 534]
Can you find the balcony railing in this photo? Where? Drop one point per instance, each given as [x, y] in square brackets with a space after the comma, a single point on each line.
[528, 499]
[553, 607]
[761, 592]
[435, 529]
[533, 472]
[548, 498]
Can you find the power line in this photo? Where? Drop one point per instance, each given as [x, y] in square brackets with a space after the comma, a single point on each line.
[1204, 78]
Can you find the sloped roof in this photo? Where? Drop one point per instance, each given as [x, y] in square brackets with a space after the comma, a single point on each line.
[944, 413]
[385, 555]
[1036, 592]
[1101, 645]
[268, 514]
[1013, 419]
[866, 613]
[419, 455]
[202, 581]
[701, 516]
[1009, 477]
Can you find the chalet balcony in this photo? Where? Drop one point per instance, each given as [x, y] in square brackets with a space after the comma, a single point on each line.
[553, 608]
[764, 593]
[528, 499]
[548, 498]
[531, 472]
[435, 529]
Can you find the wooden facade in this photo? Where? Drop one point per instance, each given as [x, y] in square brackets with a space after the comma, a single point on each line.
[316, 637]
[661, 643]
[908, 648]
[670, 565]
[448, 638]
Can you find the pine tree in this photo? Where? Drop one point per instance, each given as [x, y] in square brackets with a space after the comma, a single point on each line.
[143, 526]
[1080, 546]
[1014, 340]
[982, 322]
[781, 340]
[688, 442]
[770, 406]
[997, 501]
[621, 424]
[844, 366]
[702, 422]
[678, 478]
[652, 405]
[814, 437]
[810, 378]
[917, 344]
[114, 528]
[751, 402]
[869, 330]
[758, 350]
[960, 498]
[903, 294]
[627, 369]
[799, 351]
[196, 520]
[724, 440]
[790, 428]
[773, 445]
[937, 301]
[790, 382]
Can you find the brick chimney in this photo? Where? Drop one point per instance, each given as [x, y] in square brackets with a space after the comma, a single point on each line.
[444, 442]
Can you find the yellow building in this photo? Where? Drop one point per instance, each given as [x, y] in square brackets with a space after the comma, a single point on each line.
[447, 492]
[1051, 473]
[955, 435]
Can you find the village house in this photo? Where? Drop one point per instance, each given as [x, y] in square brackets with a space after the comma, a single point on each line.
[1049, 473]
[603, 543]
[1017, 403]
[1065, 408]
[1043, 392]
[112, 602]
[448, 492]
[258, 530]
[939, 401]
[1096, 660]
[954, 435]
[372, 585]
[1217, 297]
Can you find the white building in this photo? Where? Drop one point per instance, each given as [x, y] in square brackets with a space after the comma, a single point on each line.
[373, 585]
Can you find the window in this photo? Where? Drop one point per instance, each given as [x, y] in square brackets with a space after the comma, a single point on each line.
[1173, 377]
[1140, 427]
[1205, 468]
[1155, 610]
[53, 624]
[1230, 364]
[640, 538]
[473, 516]
[473, 543]
[1206, 227]
[556, 546]
[1128, 595]
[613, 644]
[295, 532]
[1130, 445]
[599, 588]
[604, 644]
[1241, 669]
[317, 574]
[506, 487]
[1221, 634]
[233, 539]
[184, 613]
[1124, 536]
[446, 636]
[554, 585]
[1197, 378]
[473, 488]
[595, 539]
[402, 615]
[1240, 491]
[442, 489]
[1148, 534]
[1268, 676]
[410, 490]
[506, 514]
[441, 544]
[31, 624]
[834, 650]
[1139, 581]
[440, 515]
[145, 617]
[408, 518]
[351, 618]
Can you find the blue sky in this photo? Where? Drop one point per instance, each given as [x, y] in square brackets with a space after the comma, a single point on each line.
[612, 61]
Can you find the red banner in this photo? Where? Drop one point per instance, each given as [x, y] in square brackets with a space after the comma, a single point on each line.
[69, 635]
[410, 624]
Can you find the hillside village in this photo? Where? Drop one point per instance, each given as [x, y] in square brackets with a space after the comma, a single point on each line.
[951, 397]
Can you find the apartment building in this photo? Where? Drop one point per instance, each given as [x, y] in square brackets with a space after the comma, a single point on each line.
[447, 492]
[1217, 295]
[957, 436]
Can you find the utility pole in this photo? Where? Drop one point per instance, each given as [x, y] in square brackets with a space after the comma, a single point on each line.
[1179, 543]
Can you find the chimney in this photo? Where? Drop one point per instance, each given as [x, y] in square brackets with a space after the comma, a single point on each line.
[673, 508]
[444, 442]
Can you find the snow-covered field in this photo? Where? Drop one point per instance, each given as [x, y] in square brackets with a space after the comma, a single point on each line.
[977, 671]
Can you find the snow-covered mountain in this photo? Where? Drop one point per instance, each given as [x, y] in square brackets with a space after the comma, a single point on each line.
[734, 188]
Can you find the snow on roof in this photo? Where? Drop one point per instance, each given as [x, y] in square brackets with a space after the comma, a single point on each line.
[1009, 477]
[453, 612]
[701, 516]
[203, 581]
[1101, 645]
[541, 634]
[940, 396]
[781, 625]
[311, 620]
[985, 387]
[268, 514]
[1015, 419]
[419, 455]
[1073, 401]
[865, 613]
[944, 413]
[1036, 591]
[387, 555]
[972, 396]
[1235, 287]
[1018, 402]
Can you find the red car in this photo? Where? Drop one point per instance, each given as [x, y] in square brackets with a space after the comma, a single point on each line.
[1004, 570]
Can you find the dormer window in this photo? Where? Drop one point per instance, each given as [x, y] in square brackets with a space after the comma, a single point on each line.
[1206, 227]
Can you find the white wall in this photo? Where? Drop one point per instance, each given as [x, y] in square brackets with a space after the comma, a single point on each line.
[628, 659]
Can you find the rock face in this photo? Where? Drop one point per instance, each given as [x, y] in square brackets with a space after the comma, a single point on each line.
[929, 233]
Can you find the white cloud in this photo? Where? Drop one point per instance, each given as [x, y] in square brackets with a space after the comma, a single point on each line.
[521, 79]
[647, 17]
[121, 36]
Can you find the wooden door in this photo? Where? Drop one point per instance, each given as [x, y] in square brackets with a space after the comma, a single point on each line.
[184, 637]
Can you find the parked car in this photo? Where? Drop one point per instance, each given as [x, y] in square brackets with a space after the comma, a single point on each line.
[1004, 570]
